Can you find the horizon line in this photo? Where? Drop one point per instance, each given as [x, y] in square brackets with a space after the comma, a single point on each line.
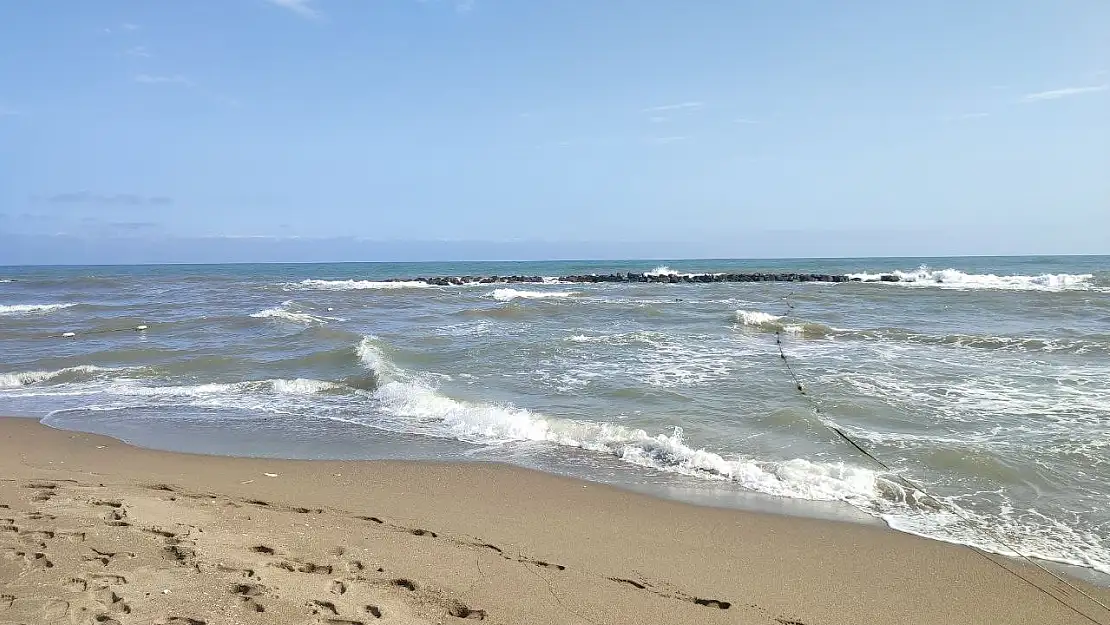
[553, 260]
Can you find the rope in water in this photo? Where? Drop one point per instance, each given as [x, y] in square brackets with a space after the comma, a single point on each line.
[914, 486]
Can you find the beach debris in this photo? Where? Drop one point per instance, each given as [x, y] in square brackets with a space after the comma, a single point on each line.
[270, 474]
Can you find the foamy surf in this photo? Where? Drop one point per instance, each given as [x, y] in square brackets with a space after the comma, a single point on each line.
[358, 285]
[286, 312]
[956, 279]
[777, 323]
[27, 378]
[25, 309]
[508, 295]
[420, 406]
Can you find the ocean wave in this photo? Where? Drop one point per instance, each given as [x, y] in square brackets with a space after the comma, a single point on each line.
[296, 386]
[23, 309]
[1094, 344]
[662, 270]
[69, 374]
[357, 285]
[777, 323]
[421, 408]
[955, 279]
[408, 396]
[507, 295]
[284, 313]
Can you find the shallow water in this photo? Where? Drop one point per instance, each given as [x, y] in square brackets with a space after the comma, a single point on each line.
[983, 378]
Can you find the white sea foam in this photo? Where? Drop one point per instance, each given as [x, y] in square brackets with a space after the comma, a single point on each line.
[27, 378]
[506, 295]
[767, 321]
[23, 309]
[422, 408]
[407, 396]
[285, 312]
[358, 285]
[956, 279]
[662, 270]
[755, 317]
[301, 386]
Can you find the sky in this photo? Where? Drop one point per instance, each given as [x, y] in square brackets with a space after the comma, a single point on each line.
[210, 130]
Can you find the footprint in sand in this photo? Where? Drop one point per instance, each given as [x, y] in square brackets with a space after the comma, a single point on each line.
[458, 609]
[247, 593]
[111, 601]
[183, 620]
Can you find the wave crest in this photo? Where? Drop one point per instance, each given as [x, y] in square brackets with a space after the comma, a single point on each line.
[69, 374]
[507, 295]
[24, 309]
[357, 285]
[955, 279]
[285, 312]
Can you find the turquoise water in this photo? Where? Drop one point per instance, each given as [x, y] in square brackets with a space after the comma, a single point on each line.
[984, 378]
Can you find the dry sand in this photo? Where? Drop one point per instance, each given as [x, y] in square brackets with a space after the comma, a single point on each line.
[95, 531]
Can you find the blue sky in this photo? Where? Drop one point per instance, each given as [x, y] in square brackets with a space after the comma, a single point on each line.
[744, 128]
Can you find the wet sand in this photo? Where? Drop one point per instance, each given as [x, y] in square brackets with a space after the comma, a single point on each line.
[95, 531]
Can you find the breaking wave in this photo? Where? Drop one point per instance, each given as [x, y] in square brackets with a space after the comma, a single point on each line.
[24, 309]
[357, 285]
[69, 374]
[507, 295]
[955, 279]
[408, 396]
[285, 312]
[775, 323]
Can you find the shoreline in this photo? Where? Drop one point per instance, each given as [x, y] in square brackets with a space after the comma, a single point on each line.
[215, 538]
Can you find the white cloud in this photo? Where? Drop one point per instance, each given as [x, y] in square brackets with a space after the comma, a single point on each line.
[300, 7]
[138, 52]
[1067, 92]
[745, 120]
[666, 140]
[658, 119]
[124, 27]
[675, 107]
[176, 79]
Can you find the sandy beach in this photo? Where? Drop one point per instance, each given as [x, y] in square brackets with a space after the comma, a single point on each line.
[95, 531]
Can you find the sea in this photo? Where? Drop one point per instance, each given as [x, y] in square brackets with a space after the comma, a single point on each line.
[985, 380]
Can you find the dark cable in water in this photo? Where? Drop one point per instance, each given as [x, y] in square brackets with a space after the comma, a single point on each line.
[913, 486]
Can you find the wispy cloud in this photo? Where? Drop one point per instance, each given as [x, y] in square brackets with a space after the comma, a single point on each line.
[1066, 92]
[666, 140]
[105, 199]
[126, 27]
[153, 79]
[303, 8]
[8, 112]
[675, 107]
[745, 120]
[138, 52]
[658, 119]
